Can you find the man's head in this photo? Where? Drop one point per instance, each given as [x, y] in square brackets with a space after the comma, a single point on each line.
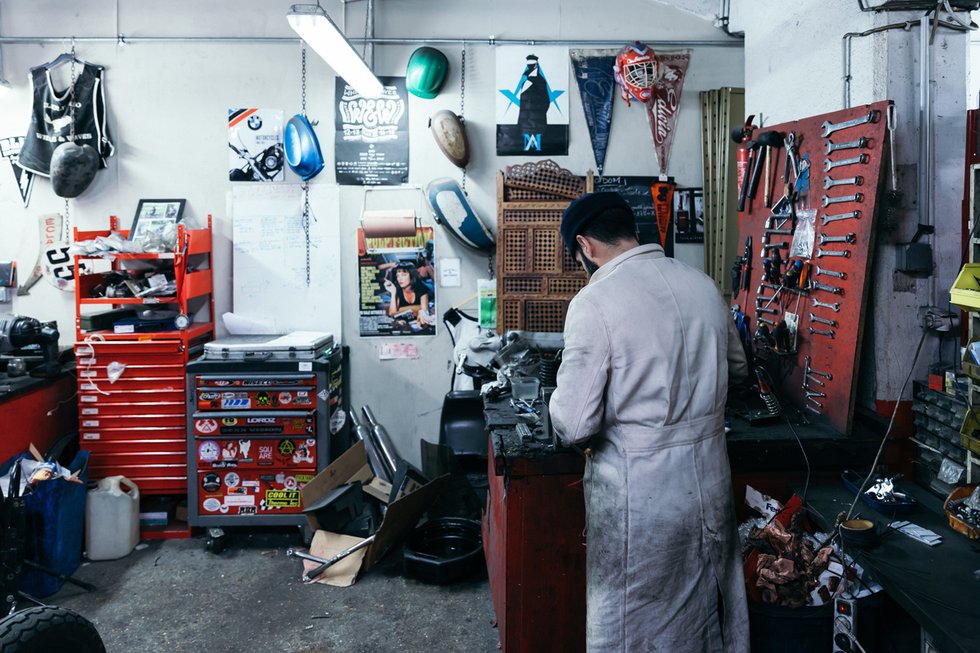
[597, 228]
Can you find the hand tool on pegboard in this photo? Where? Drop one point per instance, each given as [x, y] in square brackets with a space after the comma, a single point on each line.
[742, 136]
[769, 140]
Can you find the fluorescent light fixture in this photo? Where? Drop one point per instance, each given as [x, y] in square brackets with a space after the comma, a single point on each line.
[314, 26]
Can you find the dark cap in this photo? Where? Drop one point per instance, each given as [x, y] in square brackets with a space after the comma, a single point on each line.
[580, 211]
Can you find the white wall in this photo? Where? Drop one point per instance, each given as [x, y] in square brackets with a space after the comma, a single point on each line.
[794, 69]
[168, 104]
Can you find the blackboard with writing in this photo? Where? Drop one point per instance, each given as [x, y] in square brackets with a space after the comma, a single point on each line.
[636, 191]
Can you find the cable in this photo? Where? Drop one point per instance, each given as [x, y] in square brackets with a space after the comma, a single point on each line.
[806, 486]
[888, 431]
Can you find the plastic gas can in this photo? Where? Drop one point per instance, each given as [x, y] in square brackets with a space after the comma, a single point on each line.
[112, 524]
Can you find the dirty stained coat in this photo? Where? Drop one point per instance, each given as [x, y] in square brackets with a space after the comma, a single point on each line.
[649, 345]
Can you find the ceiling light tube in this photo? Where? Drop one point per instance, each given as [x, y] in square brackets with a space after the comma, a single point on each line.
[314, 26]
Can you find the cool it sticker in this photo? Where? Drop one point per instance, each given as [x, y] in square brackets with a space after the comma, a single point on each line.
[282, 499]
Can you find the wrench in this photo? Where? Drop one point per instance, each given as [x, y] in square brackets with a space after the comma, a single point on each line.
[849, 145]
[810, 379]
[810, 394]
[767, 247]
[829, 127]
[814, 410]
[768, 300]
[765, 321]
[849, 238]
[830, 182]
[835, 307]
[816, 403]
[763, 309]
[822, 320]
[830, 273]
[779, 232]
[810, 370]
[829, 165]
[291, 553]
[856, 197]
[817, 332]
[816, 285]
[827, 219]
[828, 252]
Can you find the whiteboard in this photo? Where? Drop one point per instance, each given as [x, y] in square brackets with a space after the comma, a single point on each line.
[269, 257]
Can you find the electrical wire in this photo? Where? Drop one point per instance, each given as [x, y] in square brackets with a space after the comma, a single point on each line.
[891, 423]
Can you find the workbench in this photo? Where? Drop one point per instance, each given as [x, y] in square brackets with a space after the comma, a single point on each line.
[534, 540]
[36, 410]
[937, 585]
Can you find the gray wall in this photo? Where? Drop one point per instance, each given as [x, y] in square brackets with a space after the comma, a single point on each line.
[168, 104]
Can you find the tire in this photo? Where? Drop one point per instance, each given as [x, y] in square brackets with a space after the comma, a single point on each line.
[49, 629]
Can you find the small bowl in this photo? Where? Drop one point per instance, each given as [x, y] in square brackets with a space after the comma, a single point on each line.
[860, 533]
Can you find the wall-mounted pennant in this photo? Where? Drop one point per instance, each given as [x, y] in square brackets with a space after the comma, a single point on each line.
[594, 74]
[531, 100]
[665, 103]
[9, 149]
[663, 206]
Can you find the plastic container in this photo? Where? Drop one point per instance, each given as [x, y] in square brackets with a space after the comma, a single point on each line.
[524, 387]
[444, 550]
[112, 519]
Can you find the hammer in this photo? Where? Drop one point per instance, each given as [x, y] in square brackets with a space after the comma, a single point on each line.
[768, 140]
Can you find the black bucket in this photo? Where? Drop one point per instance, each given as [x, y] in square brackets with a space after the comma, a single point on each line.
[444, 550]
[778, 629]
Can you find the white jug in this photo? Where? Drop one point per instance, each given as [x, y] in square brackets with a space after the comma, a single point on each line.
[112, 519]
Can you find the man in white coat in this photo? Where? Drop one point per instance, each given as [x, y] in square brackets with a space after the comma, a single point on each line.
[649, 347]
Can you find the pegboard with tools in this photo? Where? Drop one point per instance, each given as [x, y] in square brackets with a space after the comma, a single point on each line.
[809, 196]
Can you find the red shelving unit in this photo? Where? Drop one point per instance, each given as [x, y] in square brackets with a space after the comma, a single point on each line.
[136, 425]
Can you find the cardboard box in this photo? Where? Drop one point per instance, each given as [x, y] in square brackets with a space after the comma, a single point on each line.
[402, 515]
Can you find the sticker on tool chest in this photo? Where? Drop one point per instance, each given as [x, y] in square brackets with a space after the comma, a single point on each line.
[255, 492]
[295, 398]
[223, 453]
[271, 425]
[263, 382]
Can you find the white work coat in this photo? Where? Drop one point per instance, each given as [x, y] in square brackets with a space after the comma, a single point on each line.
[649, 345]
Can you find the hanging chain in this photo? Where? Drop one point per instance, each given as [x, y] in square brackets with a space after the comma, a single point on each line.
[462, 101]
[66, 236]
[306, 227]
[303, 78]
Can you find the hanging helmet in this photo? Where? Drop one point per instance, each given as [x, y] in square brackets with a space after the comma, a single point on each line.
[73, 168]
[450, 135]
[426, 72]
[636, 70]
[302, 147]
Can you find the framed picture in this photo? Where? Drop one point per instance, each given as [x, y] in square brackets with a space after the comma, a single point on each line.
[689, 215]
[152, 216]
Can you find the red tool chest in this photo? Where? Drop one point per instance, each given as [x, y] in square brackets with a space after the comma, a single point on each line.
[256, 433]
[134, 422]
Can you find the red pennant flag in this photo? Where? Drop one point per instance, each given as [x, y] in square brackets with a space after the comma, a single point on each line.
[665, 103]
[663, 206]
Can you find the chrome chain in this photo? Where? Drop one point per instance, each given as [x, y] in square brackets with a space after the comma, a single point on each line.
[462, 102]
[306, 227]
[303, 78]
[66, 236]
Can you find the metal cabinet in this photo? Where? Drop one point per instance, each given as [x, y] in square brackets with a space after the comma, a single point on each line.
[256, 433]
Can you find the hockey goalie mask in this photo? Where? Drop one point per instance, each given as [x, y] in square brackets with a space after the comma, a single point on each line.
[636, 70]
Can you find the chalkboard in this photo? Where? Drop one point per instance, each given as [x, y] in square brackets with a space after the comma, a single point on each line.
[636, 192]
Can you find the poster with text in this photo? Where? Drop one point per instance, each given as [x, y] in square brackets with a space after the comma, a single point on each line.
[532, 100]
[255, 150]
[397, 284]
[371, 147]
[689, 215]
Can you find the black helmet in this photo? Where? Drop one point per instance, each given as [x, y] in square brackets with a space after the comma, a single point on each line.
[73, 168]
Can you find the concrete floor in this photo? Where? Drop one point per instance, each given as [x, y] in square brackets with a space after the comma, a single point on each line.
[176, 597]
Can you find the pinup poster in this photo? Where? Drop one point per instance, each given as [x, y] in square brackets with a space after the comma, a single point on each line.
[397, 284]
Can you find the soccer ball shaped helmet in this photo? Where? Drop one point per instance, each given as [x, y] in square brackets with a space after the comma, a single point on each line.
[636, 70]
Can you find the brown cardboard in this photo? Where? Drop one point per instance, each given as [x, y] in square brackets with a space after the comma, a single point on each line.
[402, 515]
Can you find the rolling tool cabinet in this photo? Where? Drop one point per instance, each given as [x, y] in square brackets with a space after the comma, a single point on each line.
[131, 407]
[258, 430]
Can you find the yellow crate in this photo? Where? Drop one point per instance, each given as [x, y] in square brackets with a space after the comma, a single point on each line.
[970, 430]
[955, 522]
[970, 368]
[965, 292]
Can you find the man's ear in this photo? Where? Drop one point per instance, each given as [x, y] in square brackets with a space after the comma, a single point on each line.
[585, 245]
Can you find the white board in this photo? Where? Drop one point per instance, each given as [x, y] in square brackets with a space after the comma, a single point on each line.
[269, 257]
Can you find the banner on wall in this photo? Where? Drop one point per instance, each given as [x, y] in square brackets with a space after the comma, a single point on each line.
[689, 215]
[665, 103]
[531, 100]
[397, 283]
[9, 149]
[371, 146]
[596, 86]
[255, 150]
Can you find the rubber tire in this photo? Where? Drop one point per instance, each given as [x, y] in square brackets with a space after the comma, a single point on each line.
[49, 629]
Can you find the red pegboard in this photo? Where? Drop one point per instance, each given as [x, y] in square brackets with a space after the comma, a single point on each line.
[838, 356]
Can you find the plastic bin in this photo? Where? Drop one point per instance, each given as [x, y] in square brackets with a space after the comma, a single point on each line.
[965, 292]
[55, 519]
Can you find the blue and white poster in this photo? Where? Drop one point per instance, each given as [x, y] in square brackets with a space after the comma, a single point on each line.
[594, 74]
[532, 100]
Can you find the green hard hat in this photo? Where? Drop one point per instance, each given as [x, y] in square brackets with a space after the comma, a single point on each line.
[426, 72]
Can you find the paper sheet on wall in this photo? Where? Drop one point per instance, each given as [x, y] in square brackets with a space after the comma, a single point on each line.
[269, 259]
